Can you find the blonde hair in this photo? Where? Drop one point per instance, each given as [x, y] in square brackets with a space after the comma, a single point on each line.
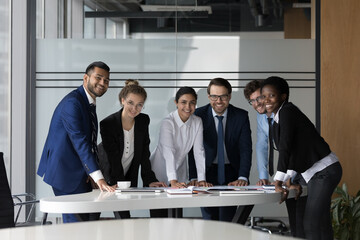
[132, 86]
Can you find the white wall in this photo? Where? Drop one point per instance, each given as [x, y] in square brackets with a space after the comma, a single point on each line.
[162, 65]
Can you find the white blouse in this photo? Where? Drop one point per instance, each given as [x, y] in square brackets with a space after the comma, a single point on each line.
[128, 153]
[169, 159]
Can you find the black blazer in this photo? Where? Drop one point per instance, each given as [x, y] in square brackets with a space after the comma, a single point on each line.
[299, 143]
[113, 143]
[237, 140]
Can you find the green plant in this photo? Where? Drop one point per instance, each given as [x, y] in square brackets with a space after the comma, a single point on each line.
[345, 211]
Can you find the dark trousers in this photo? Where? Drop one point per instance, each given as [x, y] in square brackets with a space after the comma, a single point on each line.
[220, 213]
[316, 217]
[295, 209]
[68, 218]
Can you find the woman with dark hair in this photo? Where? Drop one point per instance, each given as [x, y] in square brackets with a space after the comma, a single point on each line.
[125, 141]
[304, 159]
[180, 131]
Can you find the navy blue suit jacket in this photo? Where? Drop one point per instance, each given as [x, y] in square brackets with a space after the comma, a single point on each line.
[67, 158]
[237, 140]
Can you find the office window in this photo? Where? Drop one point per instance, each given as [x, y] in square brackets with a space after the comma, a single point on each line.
[5, 80]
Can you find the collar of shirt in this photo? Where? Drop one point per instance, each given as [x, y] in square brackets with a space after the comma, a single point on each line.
[179, 122]
[91, 100]
[264, 116]
[276, 117]
[215, 114]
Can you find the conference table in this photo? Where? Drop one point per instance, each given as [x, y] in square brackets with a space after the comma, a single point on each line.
[139, 229]
[97, 201]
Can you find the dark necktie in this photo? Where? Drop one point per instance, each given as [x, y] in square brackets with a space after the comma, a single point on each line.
[94, 128]
[220, 151]
[271, 148]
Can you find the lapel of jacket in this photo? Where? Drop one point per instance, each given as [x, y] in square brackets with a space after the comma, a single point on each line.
[85, 103]
[119, 132]
[210, 125]
[230, 121]
[137, 135]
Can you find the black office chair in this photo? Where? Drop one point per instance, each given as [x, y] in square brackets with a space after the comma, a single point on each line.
[9, 203]
[6, 202]
[279, 228]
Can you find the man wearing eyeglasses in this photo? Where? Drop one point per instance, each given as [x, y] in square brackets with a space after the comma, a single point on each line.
[227, 143]
[263, 155]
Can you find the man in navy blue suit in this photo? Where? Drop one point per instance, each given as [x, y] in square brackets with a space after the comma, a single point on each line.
[228, 151]
[69, 159]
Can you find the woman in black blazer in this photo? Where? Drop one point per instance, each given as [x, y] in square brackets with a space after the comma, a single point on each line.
[304, 159]
[125, 141]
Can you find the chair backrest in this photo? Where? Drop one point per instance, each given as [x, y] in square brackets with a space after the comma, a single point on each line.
[103, 162]
[6, 201]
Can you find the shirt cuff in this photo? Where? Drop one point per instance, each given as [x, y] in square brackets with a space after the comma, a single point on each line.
[281, 176]
[264, 175]
[243, 178]
[201, 177]
[172, 176]
[96, 176]
[291, 173]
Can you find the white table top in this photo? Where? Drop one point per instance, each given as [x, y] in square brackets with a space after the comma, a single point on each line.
[97, 201]
[139, 229]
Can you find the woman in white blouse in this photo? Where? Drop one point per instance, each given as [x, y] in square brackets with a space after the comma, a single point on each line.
[179, 132]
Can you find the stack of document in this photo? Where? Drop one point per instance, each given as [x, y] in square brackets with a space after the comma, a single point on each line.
[188, 190]
[226, 190]
[140, 190]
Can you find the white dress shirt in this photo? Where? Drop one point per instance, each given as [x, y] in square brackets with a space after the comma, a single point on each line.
[128, 153]
[169, 159]
[96, 175]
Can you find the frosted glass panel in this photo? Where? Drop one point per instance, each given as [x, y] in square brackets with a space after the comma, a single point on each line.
[164, 64]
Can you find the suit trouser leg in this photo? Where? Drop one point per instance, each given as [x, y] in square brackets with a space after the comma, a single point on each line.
[296, 209]
[317, 219]
[219, 213]
[122, 214]
[68, 218]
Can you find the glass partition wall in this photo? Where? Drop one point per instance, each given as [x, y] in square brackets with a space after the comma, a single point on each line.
[165, 45]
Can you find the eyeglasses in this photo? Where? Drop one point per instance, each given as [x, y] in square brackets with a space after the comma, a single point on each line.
[258, 100]
[138, 106]
[224, 97]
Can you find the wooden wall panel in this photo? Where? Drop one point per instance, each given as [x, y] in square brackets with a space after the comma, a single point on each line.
[340, 84]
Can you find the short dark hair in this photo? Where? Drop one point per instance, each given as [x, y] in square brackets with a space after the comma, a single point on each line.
[251, 87]
[220, 82]
[183, 91]
[278, 83]
[98, 64]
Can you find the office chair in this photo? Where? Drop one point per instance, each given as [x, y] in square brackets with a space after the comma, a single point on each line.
[281, 228]
[8, 202]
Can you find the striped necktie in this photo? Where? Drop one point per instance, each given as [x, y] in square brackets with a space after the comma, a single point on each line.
[220, 152]
[94, 128]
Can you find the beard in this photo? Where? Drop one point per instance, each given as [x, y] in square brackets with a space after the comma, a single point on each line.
[92, 89]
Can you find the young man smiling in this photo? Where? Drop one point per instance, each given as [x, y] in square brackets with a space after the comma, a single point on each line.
[252, 94]
[69, 158]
